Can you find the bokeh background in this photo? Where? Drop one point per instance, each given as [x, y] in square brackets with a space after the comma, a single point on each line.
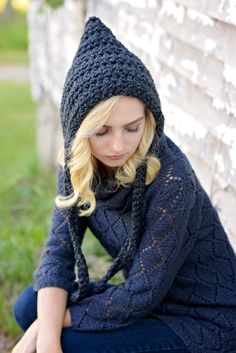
[189, 47]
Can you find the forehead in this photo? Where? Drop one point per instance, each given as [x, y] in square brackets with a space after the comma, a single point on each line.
[126, 111]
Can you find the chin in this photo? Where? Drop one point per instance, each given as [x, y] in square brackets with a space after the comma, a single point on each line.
[113, 164]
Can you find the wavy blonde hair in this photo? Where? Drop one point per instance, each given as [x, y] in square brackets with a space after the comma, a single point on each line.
[84, 167]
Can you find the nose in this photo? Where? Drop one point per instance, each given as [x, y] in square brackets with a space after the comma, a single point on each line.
[117, 143]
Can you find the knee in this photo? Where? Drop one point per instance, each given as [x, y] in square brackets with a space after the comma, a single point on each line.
[25, 308]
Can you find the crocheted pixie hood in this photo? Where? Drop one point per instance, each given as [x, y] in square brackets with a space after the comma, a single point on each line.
[103, 67]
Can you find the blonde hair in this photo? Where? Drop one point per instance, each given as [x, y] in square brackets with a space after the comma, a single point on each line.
[83, 165]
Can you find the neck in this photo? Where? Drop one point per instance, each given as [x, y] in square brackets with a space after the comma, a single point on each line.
[110, 172]
[107, 172]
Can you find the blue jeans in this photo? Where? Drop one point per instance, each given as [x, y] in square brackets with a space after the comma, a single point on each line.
[148, 335]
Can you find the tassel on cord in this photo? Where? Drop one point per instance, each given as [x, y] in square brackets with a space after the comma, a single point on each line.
[80, 261]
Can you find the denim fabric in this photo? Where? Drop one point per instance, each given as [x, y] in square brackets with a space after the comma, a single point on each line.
[148, 335]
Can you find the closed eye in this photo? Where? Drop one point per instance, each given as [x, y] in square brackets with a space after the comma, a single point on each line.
[133, 130]
[102, 133]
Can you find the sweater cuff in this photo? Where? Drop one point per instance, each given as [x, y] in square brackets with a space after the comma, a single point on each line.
[45, 283]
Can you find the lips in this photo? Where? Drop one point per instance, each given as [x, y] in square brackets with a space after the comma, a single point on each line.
[116, 157]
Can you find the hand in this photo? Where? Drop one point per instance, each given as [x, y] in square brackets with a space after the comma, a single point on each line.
[27, 343]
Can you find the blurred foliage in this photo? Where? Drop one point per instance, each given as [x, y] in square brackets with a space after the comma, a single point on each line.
[27, 196]
[15, 32]
[14, 42]
[17, 5]
[21, 5]
[55, 3]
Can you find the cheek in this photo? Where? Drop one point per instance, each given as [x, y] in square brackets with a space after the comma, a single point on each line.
[96, 146]
[139, 137]
[92, 145]
[138, 140]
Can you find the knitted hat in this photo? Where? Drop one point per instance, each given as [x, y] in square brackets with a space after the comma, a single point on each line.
[103, 67]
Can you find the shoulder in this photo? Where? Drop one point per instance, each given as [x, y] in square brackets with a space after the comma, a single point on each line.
[175, 190]
[176, 170]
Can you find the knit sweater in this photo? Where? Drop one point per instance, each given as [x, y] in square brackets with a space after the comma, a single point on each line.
[184, 271]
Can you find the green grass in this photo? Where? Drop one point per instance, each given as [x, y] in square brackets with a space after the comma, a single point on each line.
[14, 39]
[13, 56]
[27, 196]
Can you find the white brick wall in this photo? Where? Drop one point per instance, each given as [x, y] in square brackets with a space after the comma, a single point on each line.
[53, 40]
[187, 46]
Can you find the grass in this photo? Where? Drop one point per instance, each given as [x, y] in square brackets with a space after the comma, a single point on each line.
[14, 39]
[26, 193]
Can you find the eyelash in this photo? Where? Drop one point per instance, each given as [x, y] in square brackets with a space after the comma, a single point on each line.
[100, 134]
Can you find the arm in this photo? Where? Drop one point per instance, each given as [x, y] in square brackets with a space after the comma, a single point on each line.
[165, 245]
[53, 301]
[44, 334]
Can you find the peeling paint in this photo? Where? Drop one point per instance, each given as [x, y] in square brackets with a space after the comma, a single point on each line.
[232, 154]
[166, 83]
[191, 65]
[230, 74]
[169, 80]
[220, 162]
[151, 3]
[170, 60]
[183, 123]
[219, 104]
[226, 134]
[233, 111]
[199, 17]
[168, 44]
[231, 11]
[221, 7]
[154, 41]
[209, 44]
[171, 9]
[138, 3]
[220, 181]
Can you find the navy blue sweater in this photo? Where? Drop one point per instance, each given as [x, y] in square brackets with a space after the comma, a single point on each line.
[184, 271]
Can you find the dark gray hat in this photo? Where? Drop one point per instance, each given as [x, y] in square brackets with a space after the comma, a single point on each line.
[103, 67]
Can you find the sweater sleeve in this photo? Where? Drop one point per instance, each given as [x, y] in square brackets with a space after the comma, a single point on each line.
[165, 244]
[56, 267]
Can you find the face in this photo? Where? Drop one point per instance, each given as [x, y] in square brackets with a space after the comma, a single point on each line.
[119, 138]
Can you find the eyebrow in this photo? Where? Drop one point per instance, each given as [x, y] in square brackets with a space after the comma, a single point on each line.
[132, 122]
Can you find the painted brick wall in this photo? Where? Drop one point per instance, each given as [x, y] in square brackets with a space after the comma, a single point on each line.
[53, 39]
[188, 47]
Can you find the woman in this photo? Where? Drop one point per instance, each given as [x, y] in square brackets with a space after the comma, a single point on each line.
[122, 177]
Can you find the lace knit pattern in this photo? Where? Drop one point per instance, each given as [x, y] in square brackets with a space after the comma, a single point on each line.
[184, 271]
